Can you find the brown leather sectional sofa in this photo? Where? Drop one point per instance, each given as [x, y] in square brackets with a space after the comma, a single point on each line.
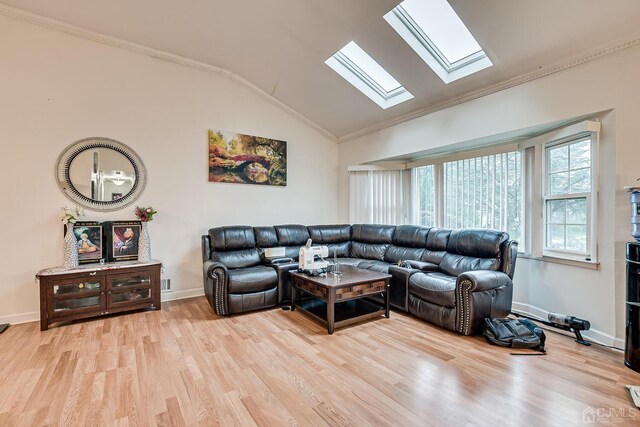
[453, 278]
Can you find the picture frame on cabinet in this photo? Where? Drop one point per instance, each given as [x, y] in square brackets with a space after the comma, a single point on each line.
[123, 240]
[92, 244]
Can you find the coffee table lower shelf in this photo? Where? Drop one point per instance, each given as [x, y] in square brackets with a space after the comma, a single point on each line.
[346, 312]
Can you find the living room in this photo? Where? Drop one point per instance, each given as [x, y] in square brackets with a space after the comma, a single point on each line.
[159, 86]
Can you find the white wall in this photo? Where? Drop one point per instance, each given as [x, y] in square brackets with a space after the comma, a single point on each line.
[57, 88]
[607, 83]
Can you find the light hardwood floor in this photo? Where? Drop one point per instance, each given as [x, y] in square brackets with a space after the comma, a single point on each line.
[186, 366]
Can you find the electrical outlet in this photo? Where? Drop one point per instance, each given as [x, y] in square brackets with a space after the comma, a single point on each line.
[165, 284]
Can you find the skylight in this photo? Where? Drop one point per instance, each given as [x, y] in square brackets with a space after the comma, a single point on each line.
[362, 71]
[434, 30]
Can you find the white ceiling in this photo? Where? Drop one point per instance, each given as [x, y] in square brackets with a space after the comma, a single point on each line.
[281, 45]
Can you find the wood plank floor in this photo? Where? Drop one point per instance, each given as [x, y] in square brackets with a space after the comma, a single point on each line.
[186, 366]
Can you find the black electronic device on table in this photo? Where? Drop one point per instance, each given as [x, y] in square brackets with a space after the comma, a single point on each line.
[3, 327]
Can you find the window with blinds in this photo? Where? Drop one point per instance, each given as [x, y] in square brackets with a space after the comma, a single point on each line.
[424, 202]
[484, 192]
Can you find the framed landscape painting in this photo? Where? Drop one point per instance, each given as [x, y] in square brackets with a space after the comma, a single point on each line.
[246, 159]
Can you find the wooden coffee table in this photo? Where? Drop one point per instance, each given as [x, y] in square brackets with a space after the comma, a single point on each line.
[340, 300]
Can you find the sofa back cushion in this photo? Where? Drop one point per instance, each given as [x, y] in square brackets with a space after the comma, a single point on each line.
[292, 237]
[409, 242]
[437, 241]
[472, 249]
[234, 246]
[371, 241]
[336, 237]
[266, 237]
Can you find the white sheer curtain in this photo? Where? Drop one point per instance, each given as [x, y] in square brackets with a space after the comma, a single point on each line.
[379, 197]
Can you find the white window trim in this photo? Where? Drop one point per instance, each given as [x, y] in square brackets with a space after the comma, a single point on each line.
[402, 22]
[591, 255]
[351, 72]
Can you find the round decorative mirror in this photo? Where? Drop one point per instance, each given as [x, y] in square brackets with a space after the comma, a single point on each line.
[101, 174]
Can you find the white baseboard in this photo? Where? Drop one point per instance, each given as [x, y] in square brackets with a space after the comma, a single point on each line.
[592, 334]
[181, 294]
[14, 319]
[34, 316]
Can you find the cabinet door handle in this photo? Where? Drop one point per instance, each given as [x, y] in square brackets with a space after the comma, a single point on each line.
[93, 274]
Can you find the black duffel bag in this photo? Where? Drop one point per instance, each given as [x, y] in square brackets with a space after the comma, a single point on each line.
[514, 333]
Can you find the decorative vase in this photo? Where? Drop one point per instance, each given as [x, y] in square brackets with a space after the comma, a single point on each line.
[70, 248]
[144, 243]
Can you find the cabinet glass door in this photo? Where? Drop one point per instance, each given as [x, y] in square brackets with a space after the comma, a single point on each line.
[124, 282]
[68, 298]
[131, 296]
[129, 290]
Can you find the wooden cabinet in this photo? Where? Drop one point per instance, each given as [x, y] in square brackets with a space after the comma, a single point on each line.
[96, 290]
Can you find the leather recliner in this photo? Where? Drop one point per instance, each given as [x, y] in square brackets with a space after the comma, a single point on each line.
[235, 279]
[473, 280]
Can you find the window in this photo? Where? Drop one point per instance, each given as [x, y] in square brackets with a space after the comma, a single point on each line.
[568, 188]
[423, 179]
[477, 192]
[378, 196]
[438, 35]
[484, 192]
[363, 72]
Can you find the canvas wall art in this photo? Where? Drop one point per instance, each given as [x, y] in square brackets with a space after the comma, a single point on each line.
[246, 159]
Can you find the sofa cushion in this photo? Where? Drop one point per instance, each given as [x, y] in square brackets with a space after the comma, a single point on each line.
[370, 264]
[336, 237]
[457, 264]
[368, 250]
[410, 236]
[372, 233]
[437, 241]
[292, 234]
[292, 237]
[370, 241]
[266, 237]
[252, 279]
[394, 254]
[473, 249]
[232, 238]
[325, 234]
[237, 259]
[477, 242]
[349, 261]
[437, 288]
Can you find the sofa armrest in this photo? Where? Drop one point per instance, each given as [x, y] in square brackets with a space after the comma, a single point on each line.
[419, 265]
[481, 294]
[399, 286]
[278, 261]
[216, 277]
[284, 280]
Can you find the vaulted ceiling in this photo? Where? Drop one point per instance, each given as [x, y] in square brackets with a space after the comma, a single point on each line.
[281, 45]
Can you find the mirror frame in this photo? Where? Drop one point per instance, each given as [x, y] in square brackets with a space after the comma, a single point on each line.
[63, 177]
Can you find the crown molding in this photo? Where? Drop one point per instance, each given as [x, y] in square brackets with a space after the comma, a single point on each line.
[55, 25]
[507, 84]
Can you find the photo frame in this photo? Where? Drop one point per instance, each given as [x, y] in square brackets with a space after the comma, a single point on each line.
[123, 240]
[91, 245]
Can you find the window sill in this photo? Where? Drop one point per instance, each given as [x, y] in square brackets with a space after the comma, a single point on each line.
[591, 265]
